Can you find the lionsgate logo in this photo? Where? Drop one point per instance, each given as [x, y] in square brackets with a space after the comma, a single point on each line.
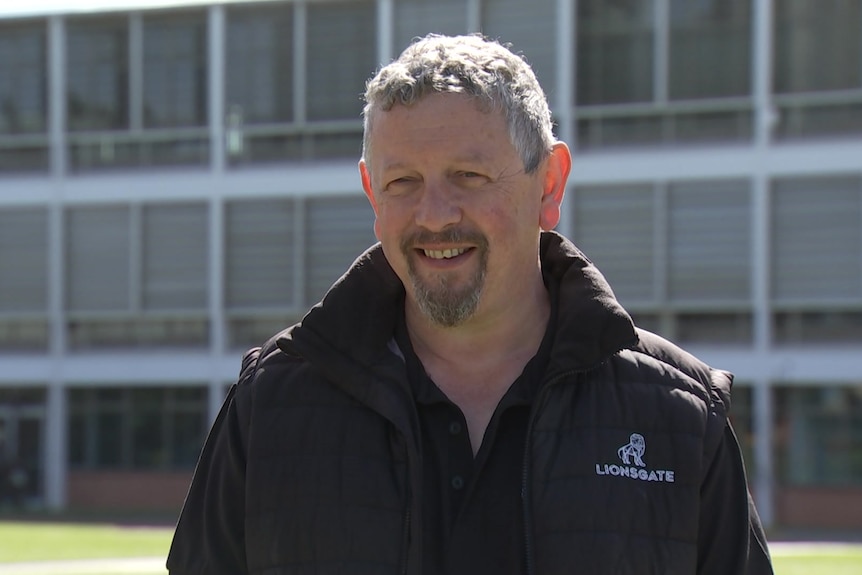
[633, 466]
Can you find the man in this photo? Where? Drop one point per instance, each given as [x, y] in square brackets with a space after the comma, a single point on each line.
[469, 398]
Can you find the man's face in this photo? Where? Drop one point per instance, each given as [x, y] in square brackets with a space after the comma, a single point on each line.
[457, 216]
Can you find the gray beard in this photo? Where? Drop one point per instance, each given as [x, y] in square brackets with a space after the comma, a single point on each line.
[439, 301]
[444, 305]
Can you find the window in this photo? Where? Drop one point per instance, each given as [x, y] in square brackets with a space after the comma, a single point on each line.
[817, 260]
[283, 255]
[417, 18]
[818, 67]
[675, 255]
[147, 428]
[175, 77]
[644, 77]
[137, 90]
[259, 67]
[23, 279]
[23, 97]
[709, 239]
[137, 276]
[97, 74]
[817, 240]
[295, 98]
[530, 28]
[819, 434]
[339, 229]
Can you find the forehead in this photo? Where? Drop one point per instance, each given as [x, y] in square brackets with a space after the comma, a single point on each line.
[455, 123]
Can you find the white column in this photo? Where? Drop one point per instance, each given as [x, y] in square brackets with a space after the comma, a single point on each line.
[54, 423]
[761, 257]
[216, 59]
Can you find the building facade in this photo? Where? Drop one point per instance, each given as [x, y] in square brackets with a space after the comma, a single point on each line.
[177, 184]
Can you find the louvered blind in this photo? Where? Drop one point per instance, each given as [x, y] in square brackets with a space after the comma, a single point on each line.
[23, 260]
[337, 231]
[174, 274]
[817, 239]
[530, 27]
[615, 227]
[259, 253]
[98, 265]
[341, 54]
[709, 242]
[420, 17]
[260, 63]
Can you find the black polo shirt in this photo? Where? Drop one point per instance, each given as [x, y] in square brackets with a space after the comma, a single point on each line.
[472, 517]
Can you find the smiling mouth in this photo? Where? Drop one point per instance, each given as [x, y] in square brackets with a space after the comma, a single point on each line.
[444, 254]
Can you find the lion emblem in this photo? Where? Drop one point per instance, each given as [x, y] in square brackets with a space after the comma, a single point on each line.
[633, 450]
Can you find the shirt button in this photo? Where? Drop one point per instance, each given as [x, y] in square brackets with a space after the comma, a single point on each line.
[457, 482]
[455, 428]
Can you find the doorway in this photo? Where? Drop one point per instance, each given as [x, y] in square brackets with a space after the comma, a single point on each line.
[22, 448]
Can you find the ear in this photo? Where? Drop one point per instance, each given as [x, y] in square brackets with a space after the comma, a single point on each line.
[559, 164]
[369, 193]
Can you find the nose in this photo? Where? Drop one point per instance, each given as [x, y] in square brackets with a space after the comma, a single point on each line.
[438, 206]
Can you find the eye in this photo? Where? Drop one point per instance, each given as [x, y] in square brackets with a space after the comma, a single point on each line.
[400, 185]
[470, 179]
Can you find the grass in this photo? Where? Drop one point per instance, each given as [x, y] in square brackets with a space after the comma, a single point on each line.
[44, 541]
[838, 559]
[32, 541]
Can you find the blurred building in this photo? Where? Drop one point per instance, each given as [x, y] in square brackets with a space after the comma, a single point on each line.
[178, 184]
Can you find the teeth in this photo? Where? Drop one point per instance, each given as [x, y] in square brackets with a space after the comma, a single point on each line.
[444, 254]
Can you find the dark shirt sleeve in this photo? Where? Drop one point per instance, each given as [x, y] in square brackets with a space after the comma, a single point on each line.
[210, 535]
[731, 539]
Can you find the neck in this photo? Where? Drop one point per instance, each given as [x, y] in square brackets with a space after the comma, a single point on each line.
[488, 339]
[474, 364]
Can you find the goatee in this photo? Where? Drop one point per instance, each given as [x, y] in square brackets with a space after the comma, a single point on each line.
[445, 304]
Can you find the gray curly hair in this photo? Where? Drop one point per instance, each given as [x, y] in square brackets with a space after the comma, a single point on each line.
[473, 65]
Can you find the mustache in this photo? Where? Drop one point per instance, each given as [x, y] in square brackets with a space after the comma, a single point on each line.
[446, 236]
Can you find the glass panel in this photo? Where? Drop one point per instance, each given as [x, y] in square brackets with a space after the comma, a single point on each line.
[247, 332]
[710, 48]
[338, 230]
[259, 253]
[23, 260]
[530, 28]
[716, 328]
[819, 434]
[811, 120]
[417, 18]
[614, 51]
[109, 439]
[28, 476]
[188, 430]
[22, 158]
[615, 226]
[97, 258]
[818, 327]
[97, 74]
[23, 83]
[709, 235]
[259, 72]
[818, 45]
[24, 334]
[175, 73]
[341, 55]
[149, 448]
[742, 419]
[156, 332]
[817, 239]
[175, 259]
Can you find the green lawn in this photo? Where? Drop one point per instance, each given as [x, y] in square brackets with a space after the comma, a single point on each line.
[803, 560]
[36, 541]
